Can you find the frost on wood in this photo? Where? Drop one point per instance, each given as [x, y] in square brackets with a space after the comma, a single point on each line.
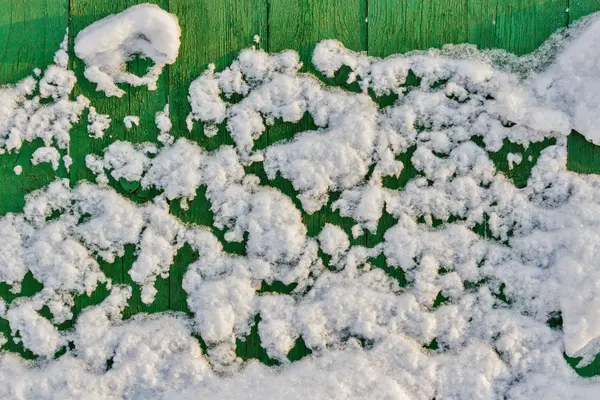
[106, 45]
[468, 319]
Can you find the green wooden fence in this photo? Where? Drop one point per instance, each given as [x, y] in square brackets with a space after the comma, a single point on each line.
[214, 31]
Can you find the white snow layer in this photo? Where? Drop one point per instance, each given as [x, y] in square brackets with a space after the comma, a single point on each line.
[370, 337]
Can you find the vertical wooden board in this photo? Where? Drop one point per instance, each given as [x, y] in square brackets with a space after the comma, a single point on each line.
[523, 25]
[518, 26]
[398, 27]
[213, 31]
[482, 23]
[30, 34]
[581, 8]
[84, 13]
[300, 25]
[401, 26]
[136, 101]
[145, 104]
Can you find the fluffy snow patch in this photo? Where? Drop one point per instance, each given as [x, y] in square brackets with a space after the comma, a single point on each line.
[106, 45]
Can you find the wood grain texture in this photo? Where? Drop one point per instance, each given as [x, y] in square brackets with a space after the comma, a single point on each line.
[522, 25]
[30, 33]
[581, 8]
[136, 101]
[214, 31]
[300, 24]
[404, 25]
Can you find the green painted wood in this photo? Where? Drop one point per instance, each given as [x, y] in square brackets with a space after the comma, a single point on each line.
[214, 31]
[300, 24]
[30, 33]
[136, 101]
[522, 25]
[83, 13]
[404, 25]
[581, 8]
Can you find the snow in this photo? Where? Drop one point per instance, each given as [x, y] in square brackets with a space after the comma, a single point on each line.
[571, 82]
[49, 116]
[484, 299]
[126, 160]
[514, 159]
[97, 123]
[106, 45]
[46, 154]
[164, 125]
[176, 171]
[67, 161]
[130, 120]
[333, 241]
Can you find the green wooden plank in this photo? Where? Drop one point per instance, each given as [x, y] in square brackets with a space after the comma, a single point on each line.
[213, 31]
[137, 101]
[299, 25]
[31, 33]
[581, 8]
[83, 13]
[523, 25]
[400, 26]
